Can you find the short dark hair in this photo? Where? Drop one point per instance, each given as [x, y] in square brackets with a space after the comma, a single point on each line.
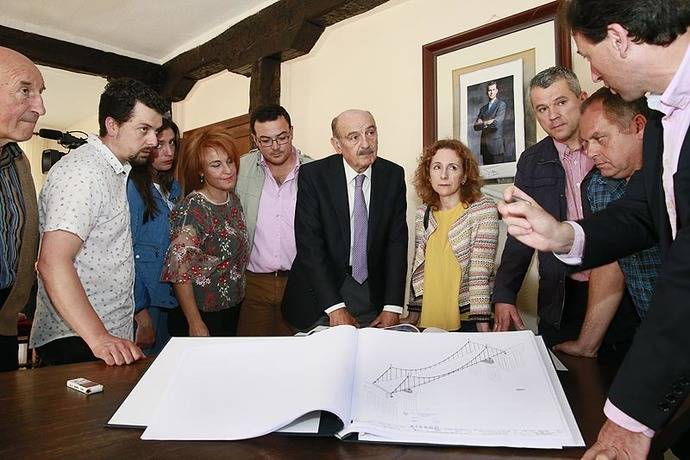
[655, 22]
[119, 98]
[491, 83]
[548, 77]
[616, 109]
[268, 112]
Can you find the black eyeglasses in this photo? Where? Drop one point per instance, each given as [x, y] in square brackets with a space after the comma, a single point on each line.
[280, 139]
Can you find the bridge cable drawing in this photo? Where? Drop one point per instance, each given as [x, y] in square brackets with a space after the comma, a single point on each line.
[396, 379]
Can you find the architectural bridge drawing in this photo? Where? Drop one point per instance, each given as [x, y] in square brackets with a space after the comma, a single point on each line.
[395, 379]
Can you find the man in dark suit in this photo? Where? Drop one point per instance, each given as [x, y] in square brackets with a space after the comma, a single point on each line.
[351, 234]
[635, 47]
[552, 171]
[490, 123]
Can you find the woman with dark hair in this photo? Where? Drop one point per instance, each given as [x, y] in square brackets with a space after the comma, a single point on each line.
[456, 235]
[152, 192]
[208, 251]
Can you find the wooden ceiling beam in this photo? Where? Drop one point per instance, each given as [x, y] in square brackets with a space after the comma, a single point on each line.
[81, 59]
[286, 29]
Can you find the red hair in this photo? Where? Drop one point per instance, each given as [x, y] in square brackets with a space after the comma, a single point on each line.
[470, 191]
[192, 156]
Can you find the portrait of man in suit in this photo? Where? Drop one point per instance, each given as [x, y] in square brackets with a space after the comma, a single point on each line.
[351, 233]
[490, 122]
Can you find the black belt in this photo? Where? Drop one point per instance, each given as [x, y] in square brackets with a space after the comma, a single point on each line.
[275, 274]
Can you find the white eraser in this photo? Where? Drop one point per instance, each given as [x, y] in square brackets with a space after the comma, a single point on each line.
[86, 386]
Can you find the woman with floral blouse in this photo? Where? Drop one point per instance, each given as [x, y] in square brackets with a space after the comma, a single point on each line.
[208, 251]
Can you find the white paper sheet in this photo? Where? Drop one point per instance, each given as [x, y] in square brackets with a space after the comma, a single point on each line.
[137, 409]
[487, 389]
[551, 367]
[557, 363]
[251, 388]
[236, 388]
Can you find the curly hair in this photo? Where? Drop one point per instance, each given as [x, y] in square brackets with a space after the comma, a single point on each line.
[470, 191]
[119, 98]
[192, 155]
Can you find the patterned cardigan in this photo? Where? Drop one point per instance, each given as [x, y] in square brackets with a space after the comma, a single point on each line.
[473, 238]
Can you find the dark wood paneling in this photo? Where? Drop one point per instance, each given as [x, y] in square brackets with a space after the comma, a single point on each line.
[238, 128]
[264, 87]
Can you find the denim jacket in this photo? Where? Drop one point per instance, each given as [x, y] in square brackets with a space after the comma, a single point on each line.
[151, 241]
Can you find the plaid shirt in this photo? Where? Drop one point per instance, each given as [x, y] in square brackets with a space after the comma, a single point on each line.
[640, 269]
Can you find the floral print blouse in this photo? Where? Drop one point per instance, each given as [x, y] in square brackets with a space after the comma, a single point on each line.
[209, 247]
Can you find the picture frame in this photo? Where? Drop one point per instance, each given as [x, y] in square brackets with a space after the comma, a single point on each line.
[457, 70]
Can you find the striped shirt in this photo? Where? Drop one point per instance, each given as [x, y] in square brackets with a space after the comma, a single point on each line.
[576, 165]
[12, 214]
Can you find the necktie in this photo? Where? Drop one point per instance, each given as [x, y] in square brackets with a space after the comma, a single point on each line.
[360, 221]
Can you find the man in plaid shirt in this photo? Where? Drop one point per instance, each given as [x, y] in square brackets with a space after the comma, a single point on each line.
[611, 130]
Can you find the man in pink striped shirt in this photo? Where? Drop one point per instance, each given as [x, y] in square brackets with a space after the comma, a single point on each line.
[636, 47]
[267, 187]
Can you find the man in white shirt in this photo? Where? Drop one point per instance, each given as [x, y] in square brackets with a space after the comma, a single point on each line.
[84, 308]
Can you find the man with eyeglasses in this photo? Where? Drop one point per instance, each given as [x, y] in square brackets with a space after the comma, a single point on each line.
[267, 187]
[351, 230]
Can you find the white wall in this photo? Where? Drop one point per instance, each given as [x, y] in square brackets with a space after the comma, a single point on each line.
[372, 61]
[215, 98]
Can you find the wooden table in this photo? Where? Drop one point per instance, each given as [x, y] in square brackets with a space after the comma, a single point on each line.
[41, 418]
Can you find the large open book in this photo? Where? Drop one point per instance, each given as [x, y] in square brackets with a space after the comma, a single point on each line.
[484, 389]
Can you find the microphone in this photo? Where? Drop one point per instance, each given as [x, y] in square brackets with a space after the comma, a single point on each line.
[50, 134]
[64, 139]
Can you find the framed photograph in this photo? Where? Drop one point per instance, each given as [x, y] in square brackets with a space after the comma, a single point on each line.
[476, 86]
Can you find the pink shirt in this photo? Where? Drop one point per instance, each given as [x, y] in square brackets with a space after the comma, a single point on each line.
[274, 241]
[674, 104]
[576, 165]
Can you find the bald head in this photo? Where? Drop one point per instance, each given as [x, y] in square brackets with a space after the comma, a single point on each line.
[355, 138]
[349, 114]
[21, 103]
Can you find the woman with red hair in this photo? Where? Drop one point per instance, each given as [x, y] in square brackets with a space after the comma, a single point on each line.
[208, 251]
[456, 235]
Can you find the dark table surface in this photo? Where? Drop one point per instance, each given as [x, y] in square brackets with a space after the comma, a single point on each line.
[41, 418]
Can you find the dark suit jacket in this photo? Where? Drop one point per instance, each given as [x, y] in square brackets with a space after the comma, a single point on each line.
[655, 376]
[322, 233]
[541, 175]
[492, 144]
